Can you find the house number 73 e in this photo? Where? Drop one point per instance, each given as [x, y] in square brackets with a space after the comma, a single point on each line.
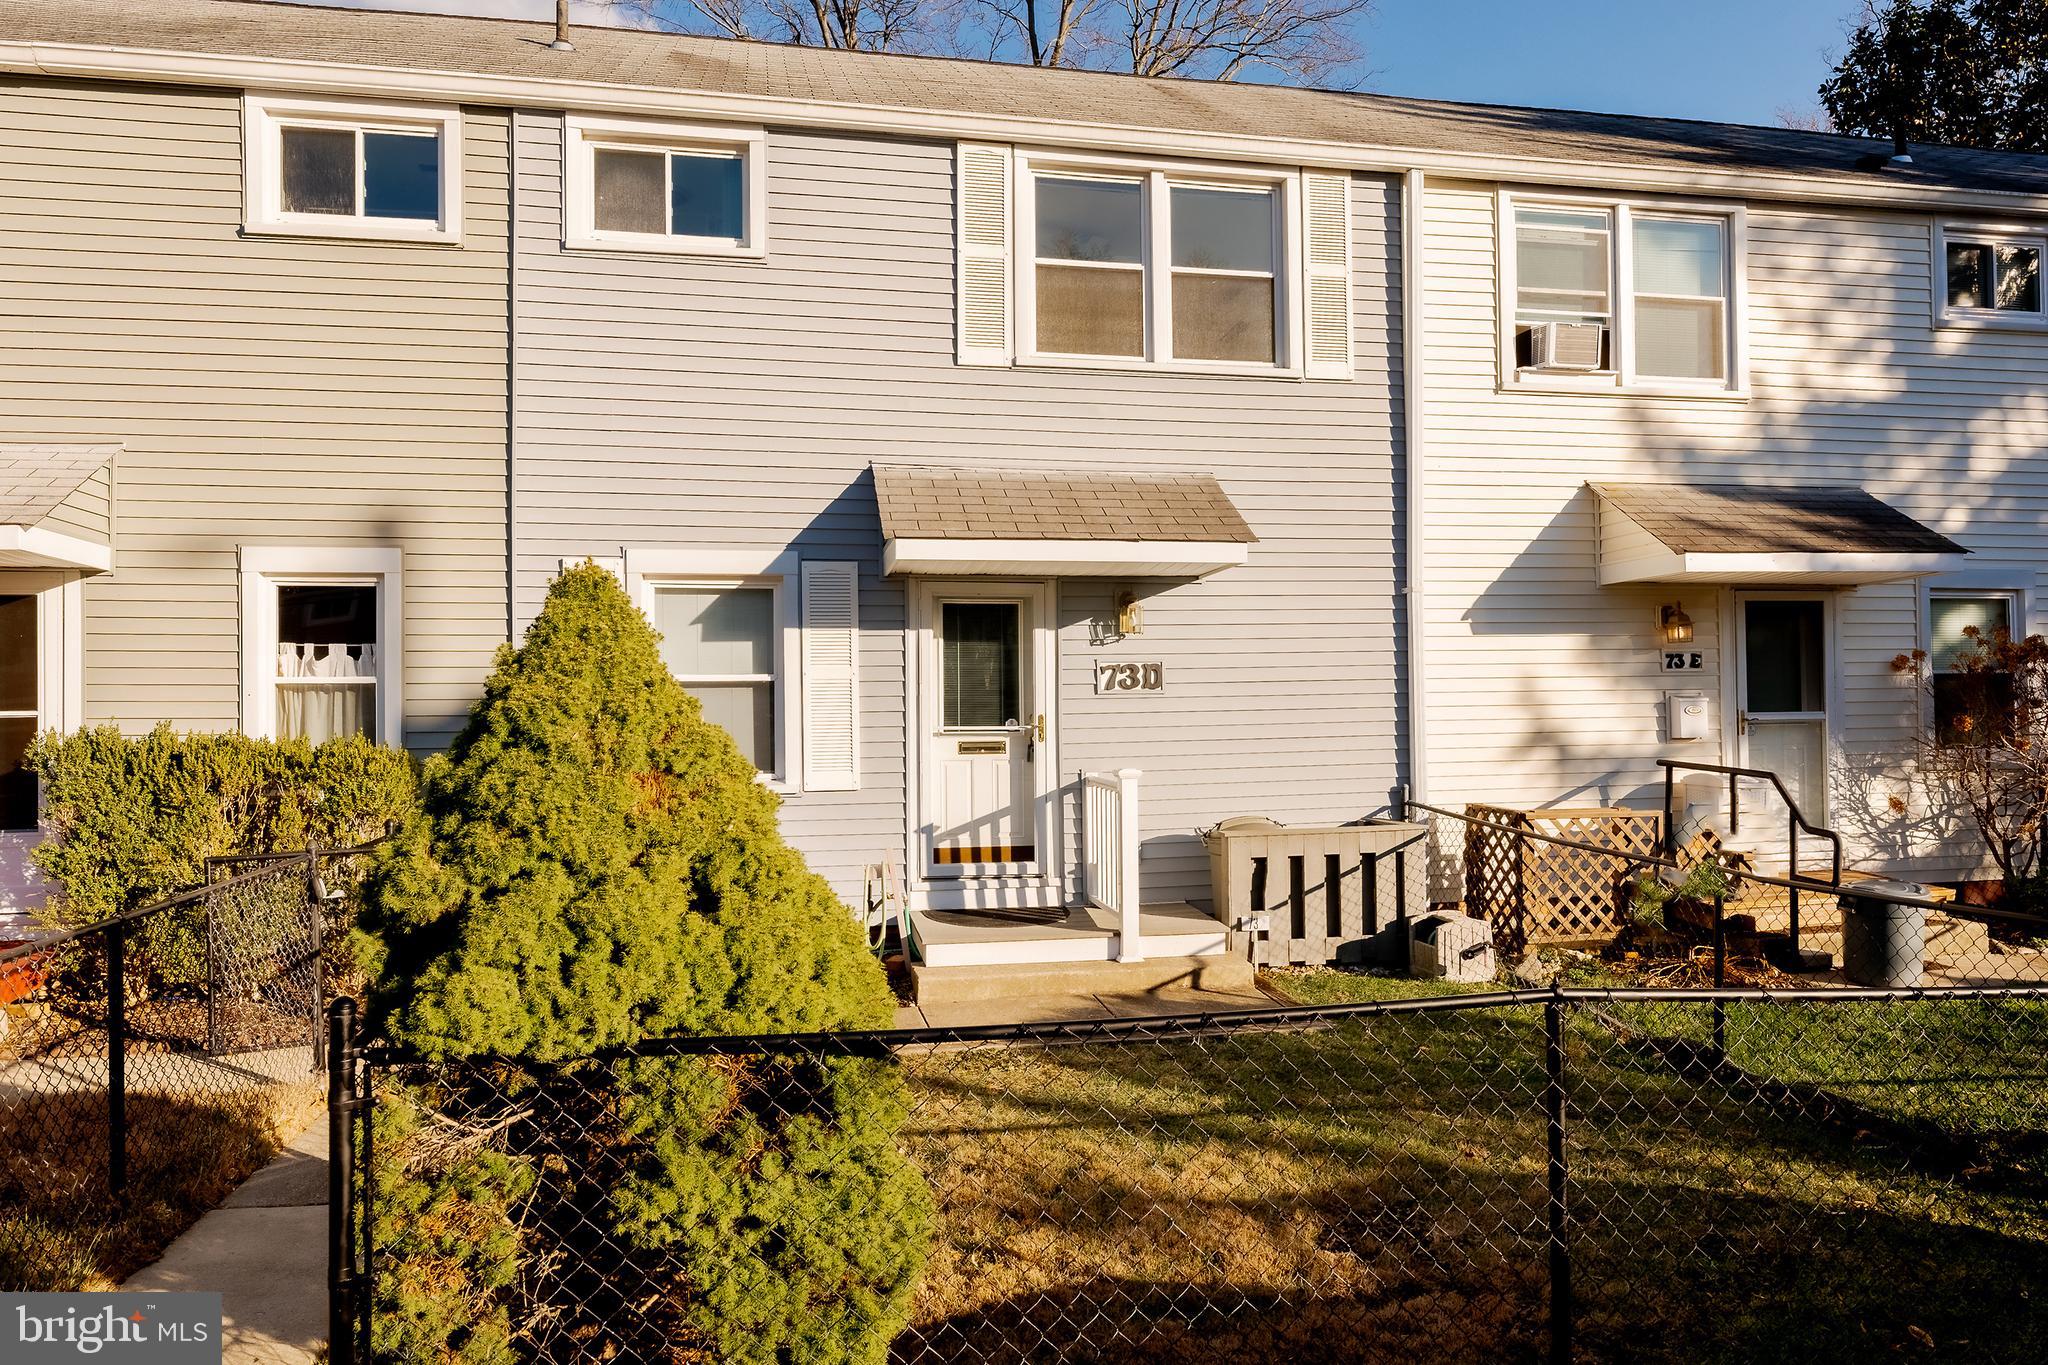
[1130, 678]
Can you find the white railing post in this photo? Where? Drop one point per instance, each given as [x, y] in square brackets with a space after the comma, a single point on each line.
[1130, 947]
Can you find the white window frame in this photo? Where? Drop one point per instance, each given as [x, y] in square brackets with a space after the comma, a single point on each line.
[1622, 377]
[264, 117]
[648, 571]
[1978, 583]
[583, 134]
[1158, 178]
[265, 569]
[60, 663]
[1991, 235]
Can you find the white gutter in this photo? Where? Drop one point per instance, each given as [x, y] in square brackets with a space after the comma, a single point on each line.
[1414, 186]
[79, 61]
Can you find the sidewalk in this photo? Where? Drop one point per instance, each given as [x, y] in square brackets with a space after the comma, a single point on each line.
[265, 1250]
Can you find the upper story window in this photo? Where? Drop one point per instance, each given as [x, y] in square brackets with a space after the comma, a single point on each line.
[1157, 266]
[352, 169]
[1989, 277]
[678, 188]
[1611, 297]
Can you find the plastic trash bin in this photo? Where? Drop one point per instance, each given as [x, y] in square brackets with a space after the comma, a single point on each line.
[1883, 943]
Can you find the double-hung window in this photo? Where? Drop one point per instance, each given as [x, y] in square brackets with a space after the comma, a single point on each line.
[665, 187]
[321, 652]
[1989, 277]
[1607, 296]
[1968, 700]
[1146, 265]
[769, 645]
[352, 169]
[722, 641]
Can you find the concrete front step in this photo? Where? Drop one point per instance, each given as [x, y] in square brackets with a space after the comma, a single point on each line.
[1011, 981]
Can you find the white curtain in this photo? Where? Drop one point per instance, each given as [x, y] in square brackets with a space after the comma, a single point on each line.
[331, 707]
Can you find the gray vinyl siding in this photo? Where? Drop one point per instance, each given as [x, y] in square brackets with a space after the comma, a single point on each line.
[264, 391]
[724, 404]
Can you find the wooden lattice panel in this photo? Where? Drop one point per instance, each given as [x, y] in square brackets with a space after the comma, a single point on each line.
[1534, 892]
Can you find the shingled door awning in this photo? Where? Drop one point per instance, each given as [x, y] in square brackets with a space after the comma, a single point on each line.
[946, 520]
[54, 507]
[1752, 534]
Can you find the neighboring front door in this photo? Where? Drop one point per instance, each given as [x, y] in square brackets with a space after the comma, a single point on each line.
[1782, 717]
[987, 755]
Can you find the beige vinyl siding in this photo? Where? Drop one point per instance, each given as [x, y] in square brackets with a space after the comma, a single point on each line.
[265, 391]
[723, 404]
[88, 512]
[1544, 687]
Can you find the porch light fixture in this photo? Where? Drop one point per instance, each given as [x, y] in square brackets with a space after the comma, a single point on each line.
[1677, 626]
[1130, 616]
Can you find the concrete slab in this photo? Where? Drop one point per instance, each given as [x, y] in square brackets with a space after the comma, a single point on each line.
[1140, 1004]
[265, 1251]
[1038, 1010]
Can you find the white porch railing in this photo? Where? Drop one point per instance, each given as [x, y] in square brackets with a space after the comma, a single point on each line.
[1109, 853]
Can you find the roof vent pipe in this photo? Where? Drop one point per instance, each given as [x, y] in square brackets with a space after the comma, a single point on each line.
[1902, 155]
[561, 42]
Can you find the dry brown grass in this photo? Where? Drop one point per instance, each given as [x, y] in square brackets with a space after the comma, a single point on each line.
[59, 1227]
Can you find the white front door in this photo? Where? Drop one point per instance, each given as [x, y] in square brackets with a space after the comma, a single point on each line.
[1783, 682]
[988, 768]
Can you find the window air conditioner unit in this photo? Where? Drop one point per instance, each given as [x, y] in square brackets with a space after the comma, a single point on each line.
[1573, 346]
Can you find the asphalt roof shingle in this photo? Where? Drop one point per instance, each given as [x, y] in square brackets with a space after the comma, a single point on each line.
[940, 502]
[1733, 518]
[636, 58]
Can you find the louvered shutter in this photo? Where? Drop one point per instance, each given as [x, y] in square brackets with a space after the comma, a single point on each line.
[831, 680]
[1326, 221]
[982, 306]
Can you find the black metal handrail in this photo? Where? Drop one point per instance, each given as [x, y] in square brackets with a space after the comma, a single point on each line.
[1671, 767]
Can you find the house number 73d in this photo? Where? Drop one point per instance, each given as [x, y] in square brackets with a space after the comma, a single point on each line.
[1130, 678]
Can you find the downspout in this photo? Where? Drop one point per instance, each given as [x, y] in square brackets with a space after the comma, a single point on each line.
[512, 383]
[1414, 447]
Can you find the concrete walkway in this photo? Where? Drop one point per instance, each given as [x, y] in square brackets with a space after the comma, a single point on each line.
[265, 1250]
[1080, 1006]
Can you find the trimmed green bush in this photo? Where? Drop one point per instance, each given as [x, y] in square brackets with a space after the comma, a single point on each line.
[593, 865]
[133, 819]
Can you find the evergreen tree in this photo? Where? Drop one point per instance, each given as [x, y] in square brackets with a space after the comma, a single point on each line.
[595, 865]
[1969, 73]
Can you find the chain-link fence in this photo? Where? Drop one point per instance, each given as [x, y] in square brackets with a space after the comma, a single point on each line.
[1562, 1174]
[151, 1061]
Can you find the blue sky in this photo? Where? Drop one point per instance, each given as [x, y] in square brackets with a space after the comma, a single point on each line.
[1740, 60]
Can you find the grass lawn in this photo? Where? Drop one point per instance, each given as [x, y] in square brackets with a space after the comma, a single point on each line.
[1376, 1188]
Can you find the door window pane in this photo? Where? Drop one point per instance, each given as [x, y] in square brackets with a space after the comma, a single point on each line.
[1223, 317]
[318, 170]
[18, 690]
[2019, 279]
[628, 195]
[1785, 657]
[17, 783]
[979, 664]
[1222, 229]
[709, 632]
[704, 196]
[1090, 220]
[402, 175]
[1083, 310]
[746, 711]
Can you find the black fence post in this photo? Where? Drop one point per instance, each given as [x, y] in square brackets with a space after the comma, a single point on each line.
[315, 908]
[342, 1285]
[1720, 976]
[117, 1060]
[212, 972]
[1560, 1254]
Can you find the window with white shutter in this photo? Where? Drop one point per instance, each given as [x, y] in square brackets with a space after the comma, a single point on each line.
[983, 256]
[1326, 214]
[831, 681]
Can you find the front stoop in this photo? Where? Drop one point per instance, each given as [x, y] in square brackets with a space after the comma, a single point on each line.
[1015, 981]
